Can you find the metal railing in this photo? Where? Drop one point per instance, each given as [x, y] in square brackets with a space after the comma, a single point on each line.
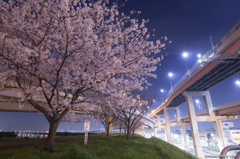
[224, 152]
[209, 54]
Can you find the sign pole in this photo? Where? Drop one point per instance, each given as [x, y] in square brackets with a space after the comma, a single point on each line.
[86, 129]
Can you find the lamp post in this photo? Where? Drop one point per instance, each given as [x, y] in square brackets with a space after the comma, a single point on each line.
[185, 55]
[199, 106]
[238, 83]
[170, 75]
[162, 93]
[199, 58]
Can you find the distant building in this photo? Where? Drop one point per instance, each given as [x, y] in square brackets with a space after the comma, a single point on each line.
[235, 134]
[226, 129]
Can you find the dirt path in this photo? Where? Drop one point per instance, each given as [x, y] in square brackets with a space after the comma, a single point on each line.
[13, 144]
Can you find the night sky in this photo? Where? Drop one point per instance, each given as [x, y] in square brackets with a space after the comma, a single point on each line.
[188, 24]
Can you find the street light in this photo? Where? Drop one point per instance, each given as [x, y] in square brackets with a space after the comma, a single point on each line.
[199, 106]
[162, 93]
[170, 75]
[197, 101]
[199, 58]
[238, 83]
[185, 55]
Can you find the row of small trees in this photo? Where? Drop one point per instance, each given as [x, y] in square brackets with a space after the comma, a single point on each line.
[126, 116]
[70, 53]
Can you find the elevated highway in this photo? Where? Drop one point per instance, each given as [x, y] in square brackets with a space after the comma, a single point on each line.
[9, 102]
[223, 112]
[215, 65]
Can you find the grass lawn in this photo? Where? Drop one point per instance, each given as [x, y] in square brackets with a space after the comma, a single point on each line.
[101, 147]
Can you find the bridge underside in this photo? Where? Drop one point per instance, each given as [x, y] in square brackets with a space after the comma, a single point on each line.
[221, 72]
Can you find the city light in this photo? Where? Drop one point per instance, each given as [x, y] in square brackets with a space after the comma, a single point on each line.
[185, 54]
[199, 55]
[238, 82]
[170, 74]
[199, 61]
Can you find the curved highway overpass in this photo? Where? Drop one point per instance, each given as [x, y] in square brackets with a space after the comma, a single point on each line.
[215, 65]
[9, 102]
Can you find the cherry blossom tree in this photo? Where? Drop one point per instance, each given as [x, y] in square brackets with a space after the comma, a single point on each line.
[134, 109]
[62, 53]
[107, 120]
[105, 115]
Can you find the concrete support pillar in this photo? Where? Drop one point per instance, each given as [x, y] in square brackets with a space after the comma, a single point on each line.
[107, 119]
[167, 126]
[193, 124]
[159, 122]
[208, 103]
[184, 137]
[155, 132]
[220, 134]
[177, 113]
[165, 133]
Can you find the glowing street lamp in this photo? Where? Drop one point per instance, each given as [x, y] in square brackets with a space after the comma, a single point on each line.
[162, 93]
[238, 83]
[185, 55]
[197, 101]
[199, 106]
[170, 75]
[199, 58]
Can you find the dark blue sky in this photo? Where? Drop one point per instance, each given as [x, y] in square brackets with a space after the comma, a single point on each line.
[188, 24]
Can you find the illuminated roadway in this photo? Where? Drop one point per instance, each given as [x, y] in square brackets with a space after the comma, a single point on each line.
[215, 66]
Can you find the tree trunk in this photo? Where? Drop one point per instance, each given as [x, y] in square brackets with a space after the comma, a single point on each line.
[51, 136]
[107, 130]
[128, 133]
[120, 131]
